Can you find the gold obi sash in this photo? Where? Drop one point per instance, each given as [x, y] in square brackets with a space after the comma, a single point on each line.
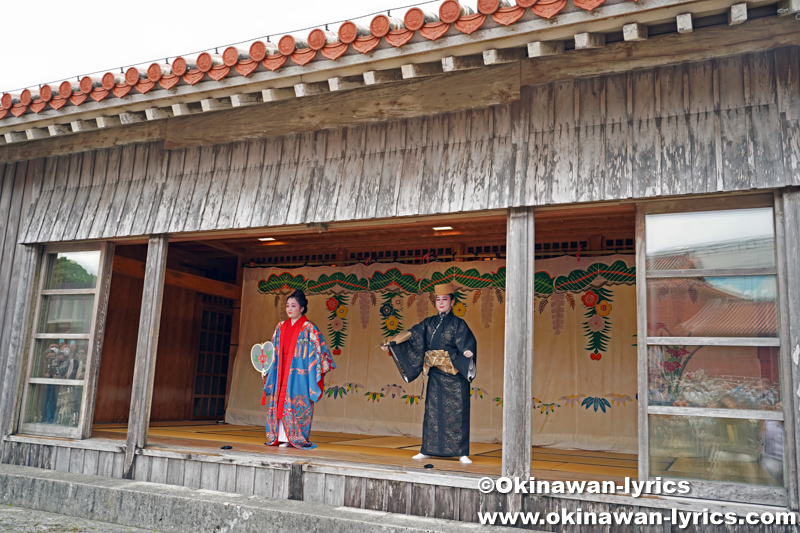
[439, 359]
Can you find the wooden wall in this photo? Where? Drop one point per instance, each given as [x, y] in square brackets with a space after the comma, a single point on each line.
[726, 124]
[172, 389]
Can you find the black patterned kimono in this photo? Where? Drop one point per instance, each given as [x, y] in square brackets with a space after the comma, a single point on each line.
[445, 429]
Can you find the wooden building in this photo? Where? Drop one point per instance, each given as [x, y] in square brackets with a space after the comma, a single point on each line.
[132, 208]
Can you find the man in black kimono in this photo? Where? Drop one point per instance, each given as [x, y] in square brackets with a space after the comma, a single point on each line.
[450, 344]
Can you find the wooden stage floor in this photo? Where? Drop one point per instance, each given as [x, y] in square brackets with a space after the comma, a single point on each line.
[546, 464]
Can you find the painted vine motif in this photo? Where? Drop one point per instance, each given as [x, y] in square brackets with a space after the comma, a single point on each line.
[392, 314]
[597, 328]
[337, 321]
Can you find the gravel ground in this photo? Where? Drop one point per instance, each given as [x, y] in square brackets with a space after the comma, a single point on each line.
[19, 520]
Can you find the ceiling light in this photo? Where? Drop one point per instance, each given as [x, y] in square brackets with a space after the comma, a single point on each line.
[442, 228]
[267, 239]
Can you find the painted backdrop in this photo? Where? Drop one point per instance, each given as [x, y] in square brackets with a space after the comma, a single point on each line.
[585, 361]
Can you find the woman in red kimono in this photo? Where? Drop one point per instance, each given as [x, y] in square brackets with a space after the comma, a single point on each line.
[295, 381]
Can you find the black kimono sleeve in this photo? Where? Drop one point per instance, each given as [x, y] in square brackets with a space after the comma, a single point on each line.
[464, 340]
[410, 355]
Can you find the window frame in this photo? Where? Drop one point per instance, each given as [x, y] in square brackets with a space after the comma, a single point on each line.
[94, 340]
[704, 489]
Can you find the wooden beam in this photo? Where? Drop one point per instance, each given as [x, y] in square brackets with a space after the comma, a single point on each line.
[146, 350]
[757, 35]
[80, 126]
[454, 63]
[108, 122]
[431, 95]
[642, 379]
[634, 32]
[737, 14]
[788, 7]
[375, 77]
[787, 218]
[136, 269]
[132, 117]
[37, 133]
[182, 110]
[506, 55]
[518, 362]
[275, 95]
[545, 48]
[240, 100]
[684, 22]
[58, 129]
[215, 104]
[586, 41]
[420, 70]
[342, 83]
[15, 137]
[157, 113]
[309, 89]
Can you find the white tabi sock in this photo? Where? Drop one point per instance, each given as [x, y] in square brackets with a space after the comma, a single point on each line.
[466, 460]
[421, 456]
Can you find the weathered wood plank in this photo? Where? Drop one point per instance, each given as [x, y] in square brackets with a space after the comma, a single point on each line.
[518, 367]
[479, 164]
[90, 462]
[62, 459]
[457, 158]
[55, 203]
[141, 470]
[121, 183]
[354, 155]
[468, 505]
[71, 176]
[220, 173]
[251, 181]
[233, 188]
[374, 494]
[226, 478]
[502, 176]
[617, 179]
[645, 147]
[385, 203]
[425, 96]
[398, 497]
[192, 474]
[76, 460]
[111, 174]
[676, 156]
[334, 490]
[169, 193]
[205, 174]
[175, 472]
[327, 176]
[8, 452]
[280, 484]
[285, 179]
[445, 502]
[137, 182]
[48, 458]
[158, 469]
[263, 482]
[191, 168]
[245, 480]
[735, 153]
[423, 500]
[147, 341]
[34, 456]
[96, 185]
[412, 165]
[766, 147]
[314, 487]
[266, 182]
[433, 156]
[105, 464]
[84, 187]
[353, 491]
[312, 155]
[787, 67]
[370, 178]
[117, 469]
[152, 190]
[564, 149]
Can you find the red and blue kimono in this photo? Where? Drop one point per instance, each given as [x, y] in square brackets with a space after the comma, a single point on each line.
[295, 381]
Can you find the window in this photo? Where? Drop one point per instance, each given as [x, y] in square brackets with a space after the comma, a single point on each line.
[712, 378]
[66, 326]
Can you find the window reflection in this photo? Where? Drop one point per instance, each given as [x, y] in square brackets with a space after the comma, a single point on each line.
[60, 359]
[54, 404]
[731, 306]
[717, 449]
[66, 313]
[723, 377]
[738, 238]
[72, 270]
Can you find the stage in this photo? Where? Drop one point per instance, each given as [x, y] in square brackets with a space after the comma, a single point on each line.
[208, 438]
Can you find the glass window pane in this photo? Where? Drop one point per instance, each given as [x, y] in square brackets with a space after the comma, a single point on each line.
[717, 449]
[734, 306]
[737, 238]
[59, 359]
[66, 313]
[72, 270]
[54, 404]
[724, 377]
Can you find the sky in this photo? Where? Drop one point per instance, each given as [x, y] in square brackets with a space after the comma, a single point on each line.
[60, 41]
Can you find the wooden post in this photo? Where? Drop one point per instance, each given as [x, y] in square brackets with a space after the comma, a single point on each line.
[641, 345]
[787, 218]
[146, 345]
[518, 364]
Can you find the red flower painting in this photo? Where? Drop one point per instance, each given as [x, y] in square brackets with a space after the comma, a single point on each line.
[590, 299]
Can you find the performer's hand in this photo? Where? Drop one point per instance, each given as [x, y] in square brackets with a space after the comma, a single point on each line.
[468, 353]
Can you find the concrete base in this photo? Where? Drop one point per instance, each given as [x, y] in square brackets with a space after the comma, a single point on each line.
[170, 508]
